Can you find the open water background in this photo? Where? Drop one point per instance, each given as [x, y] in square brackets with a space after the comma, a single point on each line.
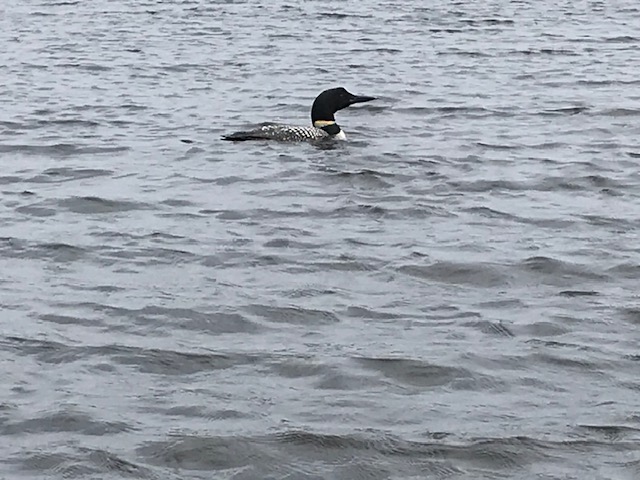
[452, 294]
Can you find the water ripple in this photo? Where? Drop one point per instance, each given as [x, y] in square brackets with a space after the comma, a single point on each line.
[449, 294]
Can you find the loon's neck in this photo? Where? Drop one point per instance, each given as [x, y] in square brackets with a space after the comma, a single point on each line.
[331, 127]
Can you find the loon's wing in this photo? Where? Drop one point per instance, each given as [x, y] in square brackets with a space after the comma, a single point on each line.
[284, 133]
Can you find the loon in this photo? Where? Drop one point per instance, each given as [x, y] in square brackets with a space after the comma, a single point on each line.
[322, 118]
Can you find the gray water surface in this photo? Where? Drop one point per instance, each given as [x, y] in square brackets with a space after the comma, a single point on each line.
[451, 294]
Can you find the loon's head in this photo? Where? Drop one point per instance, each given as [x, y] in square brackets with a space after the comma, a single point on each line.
[328, 103]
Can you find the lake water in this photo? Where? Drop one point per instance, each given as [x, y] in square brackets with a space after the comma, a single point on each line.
[451, 294]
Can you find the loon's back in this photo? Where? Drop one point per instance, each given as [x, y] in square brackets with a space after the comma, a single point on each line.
[284, 133]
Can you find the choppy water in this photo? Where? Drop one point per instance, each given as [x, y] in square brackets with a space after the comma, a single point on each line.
[452, 294]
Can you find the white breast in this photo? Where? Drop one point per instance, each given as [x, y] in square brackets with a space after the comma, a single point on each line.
[340, 135]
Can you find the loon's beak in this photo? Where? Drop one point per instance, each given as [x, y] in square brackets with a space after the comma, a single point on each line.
[360, 99]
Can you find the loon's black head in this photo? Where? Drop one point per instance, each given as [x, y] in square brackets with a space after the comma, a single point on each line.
[330, 101]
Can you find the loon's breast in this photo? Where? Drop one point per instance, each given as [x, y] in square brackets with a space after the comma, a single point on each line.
[340, 135]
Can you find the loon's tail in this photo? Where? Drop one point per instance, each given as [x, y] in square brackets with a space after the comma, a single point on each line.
[260, 133]
[264, 131]
[243, 136]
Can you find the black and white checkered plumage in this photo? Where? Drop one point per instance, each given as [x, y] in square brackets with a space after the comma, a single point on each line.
[284, 133]
[322, 118]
